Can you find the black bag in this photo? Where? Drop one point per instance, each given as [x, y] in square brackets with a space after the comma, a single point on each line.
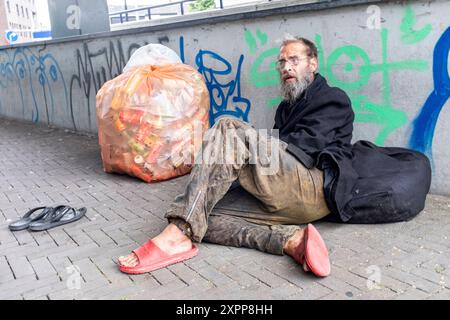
[392, 184]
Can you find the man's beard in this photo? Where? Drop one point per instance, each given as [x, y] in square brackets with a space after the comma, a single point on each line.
[291, 91]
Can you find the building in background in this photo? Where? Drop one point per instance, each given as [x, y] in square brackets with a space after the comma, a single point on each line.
[3, 23]
[23, 21]
[43, 16]
[18, 20]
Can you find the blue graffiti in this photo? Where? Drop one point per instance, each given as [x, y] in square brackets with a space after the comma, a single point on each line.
[182, 49]
[221, 92]
[18, 71]
[425, 123]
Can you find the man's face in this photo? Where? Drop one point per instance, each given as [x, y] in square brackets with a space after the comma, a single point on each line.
[296, 70]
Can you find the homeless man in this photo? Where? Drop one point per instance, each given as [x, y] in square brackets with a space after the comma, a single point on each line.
[320, 175]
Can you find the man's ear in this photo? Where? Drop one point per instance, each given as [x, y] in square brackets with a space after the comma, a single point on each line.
[313, 65]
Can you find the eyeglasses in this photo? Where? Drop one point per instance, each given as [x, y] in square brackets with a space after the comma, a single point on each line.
[293, 61]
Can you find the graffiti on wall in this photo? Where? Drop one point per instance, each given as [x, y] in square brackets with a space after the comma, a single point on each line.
[263, 72]
[409, 34]
[223, 83]
[222, 91]
[33, 81]
[37, 83]
[353, 59]
[425, 123]
[94, 67]
[351, 68]
[20, 70]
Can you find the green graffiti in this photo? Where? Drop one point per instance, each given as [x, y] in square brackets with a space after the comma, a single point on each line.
[344, 61]
[263, 72]
[320, 54]
[262, 37]
[353, 53]
[251, 42]
[350, 68]
[389, 118]
[409, 35]
[269, 77]
[274, 102]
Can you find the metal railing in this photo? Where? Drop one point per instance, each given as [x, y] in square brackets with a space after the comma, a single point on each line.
[147, 12]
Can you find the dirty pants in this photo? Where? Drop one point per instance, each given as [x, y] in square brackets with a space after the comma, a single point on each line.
[289, 193]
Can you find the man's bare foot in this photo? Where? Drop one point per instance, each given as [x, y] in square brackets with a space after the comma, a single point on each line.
[171, 240]
[294, 247]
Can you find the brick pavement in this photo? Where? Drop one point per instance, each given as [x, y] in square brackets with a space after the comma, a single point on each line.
[47, 166]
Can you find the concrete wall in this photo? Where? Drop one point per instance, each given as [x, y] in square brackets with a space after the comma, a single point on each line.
[390, 57]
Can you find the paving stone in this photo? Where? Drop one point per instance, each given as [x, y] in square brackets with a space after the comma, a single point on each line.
[43, 268]
[6, 274]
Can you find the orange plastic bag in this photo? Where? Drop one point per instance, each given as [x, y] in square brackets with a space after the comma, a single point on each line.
[146, 119]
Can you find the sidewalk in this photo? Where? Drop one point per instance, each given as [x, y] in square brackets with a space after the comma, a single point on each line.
[44, 166]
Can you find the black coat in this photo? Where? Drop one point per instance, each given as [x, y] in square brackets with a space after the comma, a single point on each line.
[363, 183]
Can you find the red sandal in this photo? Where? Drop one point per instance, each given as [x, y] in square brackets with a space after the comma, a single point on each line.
[315, 252]
[151, 258]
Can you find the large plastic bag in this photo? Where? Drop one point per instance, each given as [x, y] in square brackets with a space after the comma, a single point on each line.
[146, 120]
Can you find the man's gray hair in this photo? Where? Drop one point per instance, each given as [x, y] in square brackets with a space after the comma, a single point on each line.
[311, 49]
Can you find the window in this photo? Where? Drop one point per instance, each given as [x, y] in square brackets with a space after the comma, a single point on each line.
[23, 14]
[17, 7]
[28, 16]
[9, 7]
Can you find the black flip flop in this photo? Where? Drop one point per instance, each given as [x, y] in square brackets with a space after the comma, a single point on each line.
[58, 217]
[27, 219]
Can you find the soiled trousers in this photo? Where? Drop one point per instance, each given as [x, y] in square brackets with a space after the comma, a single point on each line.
[289, 194]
